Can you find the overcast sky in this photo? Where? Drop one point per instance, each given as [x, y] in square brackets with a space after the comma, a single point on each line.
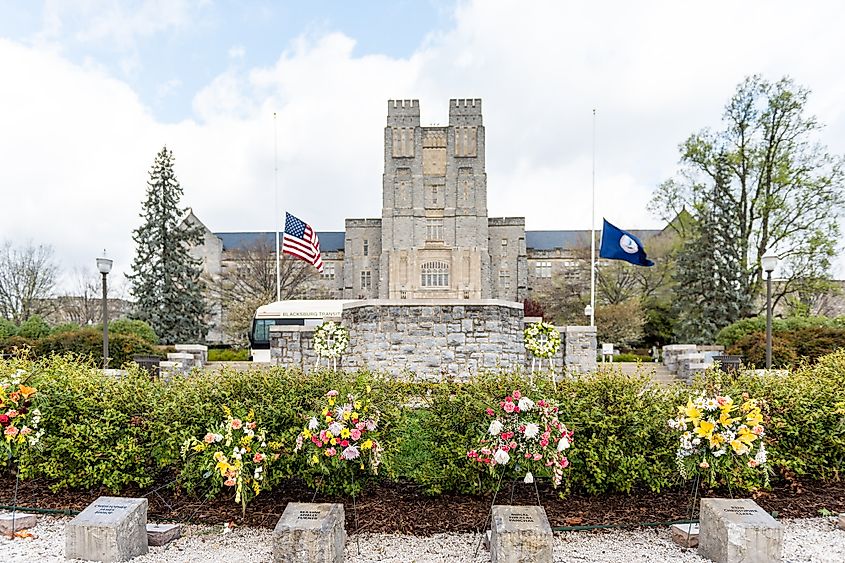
[90, 90]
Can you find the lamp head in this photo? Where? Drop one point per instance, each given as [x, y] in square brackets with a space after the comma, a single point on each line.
[104, 264]
[770, 262]
[588, 310]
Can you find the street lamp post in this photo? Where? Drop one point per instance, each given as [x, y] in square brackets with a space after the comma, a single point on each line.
[104, 265]
[769, 262]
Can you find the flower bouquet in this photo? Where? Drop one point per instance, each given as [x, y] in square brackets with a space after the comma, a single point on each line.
[525, 435]
[340, 439]
[543, 341]
[235, 454]
[330, 341]
[19, 419]
[719, 436]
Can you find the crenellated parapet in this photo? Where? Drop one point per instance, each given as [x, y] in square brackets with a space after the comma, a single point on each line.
[403, 113]
[465, 111]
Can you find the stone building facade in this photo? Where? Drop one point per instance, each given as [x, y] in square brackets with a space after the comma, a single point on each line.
[434, 239]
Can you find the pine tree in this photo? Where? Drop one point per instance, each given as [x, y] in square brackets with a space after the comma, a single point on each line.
[165, 279]
[710, 292]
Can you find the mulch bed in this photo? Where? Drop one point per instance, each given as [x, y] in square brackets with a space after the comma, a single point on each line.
[402, 508]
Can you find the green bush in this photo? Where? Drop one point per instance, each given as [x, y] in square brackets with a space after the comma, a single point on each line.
[125, 432]
[7, 329]
[734, 332]
[16, 345]
[135, 327]
[88, 343]
[34, 327]
[66, 327]
[227, 355]
[790, 347]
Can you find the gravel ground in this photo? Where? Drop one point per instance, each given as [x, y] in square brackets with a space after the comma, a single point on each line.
[806, 540]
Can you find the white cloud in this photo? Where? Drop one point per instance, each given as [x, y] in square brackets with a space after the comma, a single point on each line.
[78, 143]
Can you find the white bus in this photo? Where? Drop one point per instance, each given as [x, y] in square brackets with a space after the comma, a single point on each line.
[301, 312]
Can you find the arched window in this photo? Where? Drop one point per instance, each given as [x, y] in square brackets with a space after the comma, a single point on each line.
[435, 274]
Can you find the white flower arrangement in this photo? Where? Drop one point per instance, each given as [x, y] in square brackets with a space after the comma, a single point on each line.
[542, 340]
[331, 340]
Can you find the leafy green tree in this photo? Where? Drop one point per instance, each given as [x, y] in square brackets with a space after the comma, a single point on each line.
[165, 278]
[785, 187]
[709, 289]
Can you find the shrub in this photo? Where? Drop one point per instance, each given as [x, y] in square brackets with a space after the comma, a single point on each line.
[227, 355]
[16, 345]
[34, 327]
[734, 332]
[7, 329]
[66, 327]
[790, 347]
[135, 327]
[124, 432]
[88, 343]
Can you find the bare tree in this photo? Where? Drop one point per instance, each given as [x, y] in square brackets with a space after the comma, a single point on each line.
[27, 278]
[84, 304]
[248, 281]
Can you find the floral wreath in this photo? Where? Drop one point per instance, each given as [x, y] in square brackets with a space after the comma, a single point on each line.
[330, 340]
[542, 340]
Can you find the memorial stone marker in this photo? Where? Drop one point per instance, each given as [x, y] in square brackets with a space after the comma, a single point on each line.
[841, 523]
[161, 534]
[738, 530]
[9, 523]
[685, 535]
[310, 533]
[521, 534]
[109, 529]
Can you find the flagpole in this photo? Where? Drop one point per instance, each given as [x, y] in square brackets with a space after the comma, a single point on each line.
[276, 193]
[593, 235]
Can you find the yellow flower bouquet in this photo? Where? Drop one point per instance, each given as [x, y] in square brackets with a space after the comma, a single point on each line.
[718, 436]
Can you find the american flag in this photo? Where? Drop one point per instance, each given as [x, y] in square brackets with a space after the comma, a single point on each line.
[301, 241]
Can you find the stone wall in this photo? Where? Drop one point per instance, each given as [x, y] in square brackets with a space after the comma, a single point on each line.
[293, 346]
[434, 339]
[580, 349]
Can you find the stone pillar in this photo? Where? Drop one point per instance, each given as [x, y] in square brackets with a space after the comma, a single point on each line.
[184, 358]
[671, 353]
[580, 349]
[198, 351]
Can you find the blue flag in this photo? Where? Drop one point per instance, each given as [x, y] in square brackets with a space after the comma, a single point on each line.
[617, 244]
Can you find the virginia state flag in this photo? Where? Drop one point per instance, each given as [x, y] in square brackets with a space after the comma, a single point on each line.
[617, 244]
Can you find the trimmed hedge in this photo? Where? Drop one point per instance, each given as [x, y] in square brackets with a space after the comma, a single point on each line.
[87, 343]
[127, 432]
[790, 347]
[736, 331]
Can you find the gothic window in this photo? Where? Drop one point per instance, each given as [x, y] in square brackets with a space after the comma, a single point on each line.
[403, 141]
[402, 188]
[435, 274]
[466, 184]
[366, 280]
[543, 269]
[434, 229]
[328, 272]
[366, 247]
[466, 141]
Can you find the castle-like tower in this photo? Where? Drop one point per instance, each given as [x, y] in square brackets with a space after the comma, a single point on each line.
[434, 227]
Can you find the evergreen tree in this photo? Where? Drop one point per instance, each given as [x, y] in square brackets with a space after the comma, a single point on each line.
[710, 292]
[165, 279]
